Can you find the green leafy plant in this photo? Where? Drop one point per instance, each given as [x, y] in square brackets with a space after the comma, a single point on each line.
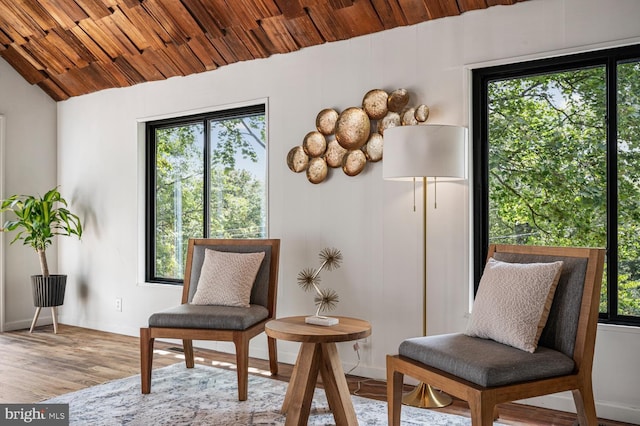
[39, 220]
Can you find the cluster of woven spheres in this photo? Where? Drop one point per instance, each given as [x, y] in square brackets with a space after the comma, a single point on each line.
[353, 137]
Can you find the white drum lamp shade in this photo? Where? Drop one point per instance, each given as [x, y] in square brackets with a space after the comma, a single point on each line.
[424, 151]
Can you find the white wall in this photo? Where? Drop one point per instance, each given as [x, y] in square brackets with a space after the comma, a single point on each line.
[29, 164]
[371, 221]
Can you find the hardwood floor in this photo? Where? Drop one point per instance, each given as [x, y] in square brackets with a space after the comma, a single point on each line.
[41, 365]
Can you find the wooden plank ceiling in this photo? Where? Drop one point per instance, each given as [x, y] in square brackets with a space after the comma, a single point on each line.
[75, 47]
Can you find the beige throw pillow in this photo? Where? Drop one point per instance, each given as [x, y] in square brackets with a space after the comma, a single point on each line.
[227, 278]
[513, 302]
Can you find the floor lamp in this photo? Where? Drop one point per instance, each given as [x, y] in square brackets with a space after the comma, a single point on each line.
[424, 151]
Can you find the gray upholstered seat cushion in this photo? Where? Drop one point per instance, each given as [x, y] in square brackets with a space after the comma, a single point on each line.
[485, 362]
[209, 317]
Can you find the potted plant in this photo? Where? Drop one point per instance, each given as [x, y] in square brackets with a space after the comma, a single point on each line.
[38, 220]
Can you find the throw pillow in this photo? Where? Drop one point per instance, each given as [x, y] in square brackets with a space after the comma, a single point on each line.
[227, 278]
[513, 302]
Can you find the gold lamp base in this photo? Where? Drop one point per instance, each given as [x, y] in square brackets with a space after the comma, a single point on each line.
[424, 396]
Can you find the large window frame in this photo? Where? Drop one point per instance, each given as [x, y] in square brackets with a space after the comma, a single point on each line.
[481, 78]
[203, 119]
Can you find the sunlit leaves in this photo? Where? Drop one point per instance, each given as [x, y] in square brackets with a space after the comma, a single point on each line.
[548, 169]
[235, 188]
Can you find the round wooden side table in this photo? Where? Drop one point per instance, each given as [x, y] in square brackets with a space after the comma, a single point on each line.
[318, 354]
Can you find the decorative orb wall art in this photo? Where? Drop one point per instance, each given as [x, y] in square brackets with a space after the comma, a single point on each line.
[314, 144]
[353, 128]
[374, 104]
[326, 121]
[354, 137]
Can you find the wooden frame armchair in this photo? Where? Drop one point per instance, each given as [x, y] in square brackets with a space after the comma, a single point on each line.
[485, 373]
[220, 323]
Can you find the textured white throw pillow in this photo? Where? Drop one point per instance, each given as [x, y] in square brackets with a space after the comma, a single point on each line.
[513, 302]
[227, 278]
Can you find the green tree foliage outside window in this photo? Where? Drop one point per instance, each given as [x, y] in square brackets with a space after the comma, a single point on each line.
[209, 178]
[547, 171]
[628, 104]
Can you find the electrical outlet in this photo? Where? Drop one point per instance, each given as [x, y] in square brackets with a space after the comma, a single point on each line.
[119, 304]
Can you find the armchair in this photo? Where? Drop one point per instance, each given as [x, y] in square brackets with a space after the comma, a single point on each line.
[237, 324]
[484, 372]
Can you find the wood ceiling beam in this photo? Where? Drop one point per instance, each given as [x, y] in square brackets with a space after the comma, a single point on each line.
[109, 26]
[303, 31]
[94, 8]
[106, 42]
[73, 47]
[96, 51]
[204, 50]
[252, 44]
[162, 62]
[467, 5]
[134, 34]
[389, 12]
[359, 19]
[151, 31]
[325, 21]
[174, 18]
[414, 11]
[8, 29]
[290, 8]
[65, 12]
[34, 9]
[203, 17]
[21, 21]
[69, 52]
[279, 35]
[23, 63]
[54, 91]
[46, 53]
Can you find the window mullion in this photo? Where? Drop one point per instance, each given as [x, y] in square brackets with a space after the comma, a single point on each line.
[612, 189]
[206, 187]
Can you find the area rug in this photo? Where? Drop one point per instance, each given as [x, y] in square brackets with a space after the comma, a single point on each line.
[208, 396]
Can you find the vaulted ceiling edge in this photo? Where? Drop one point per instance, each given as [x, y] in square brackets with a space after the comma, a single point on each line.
[74, 47]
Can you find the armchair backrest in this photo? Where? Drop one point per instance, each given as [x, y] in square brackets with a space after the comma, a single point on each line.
[573, 318]
[265, 287]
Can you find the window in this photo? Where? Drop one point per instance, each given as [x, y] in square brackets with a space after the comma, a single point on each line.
[206, 177]
[557, 162]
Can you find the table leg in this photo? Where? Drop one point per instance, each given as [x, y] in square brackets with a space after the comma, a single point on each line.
[335, 386]
[292, 379]
[297, 403]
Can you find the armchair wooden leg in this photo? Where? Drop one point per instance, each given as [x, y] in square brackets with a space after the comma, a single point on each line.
[395, 380]
[273, 355]
[187, 347]
[242, 364]
[146, 359]
[483, 410]
[585, 405]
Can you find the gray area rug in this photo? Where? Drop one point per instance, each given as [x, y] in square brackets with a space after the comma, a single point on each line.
[208, 396]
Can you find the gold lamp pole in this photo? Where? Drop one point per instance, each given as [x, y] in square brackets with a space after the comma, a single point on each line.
[424, 151]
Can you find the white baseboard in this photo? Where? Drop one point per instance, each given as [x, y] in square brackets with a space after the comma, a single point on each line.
[604, 409]
[22, 324]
